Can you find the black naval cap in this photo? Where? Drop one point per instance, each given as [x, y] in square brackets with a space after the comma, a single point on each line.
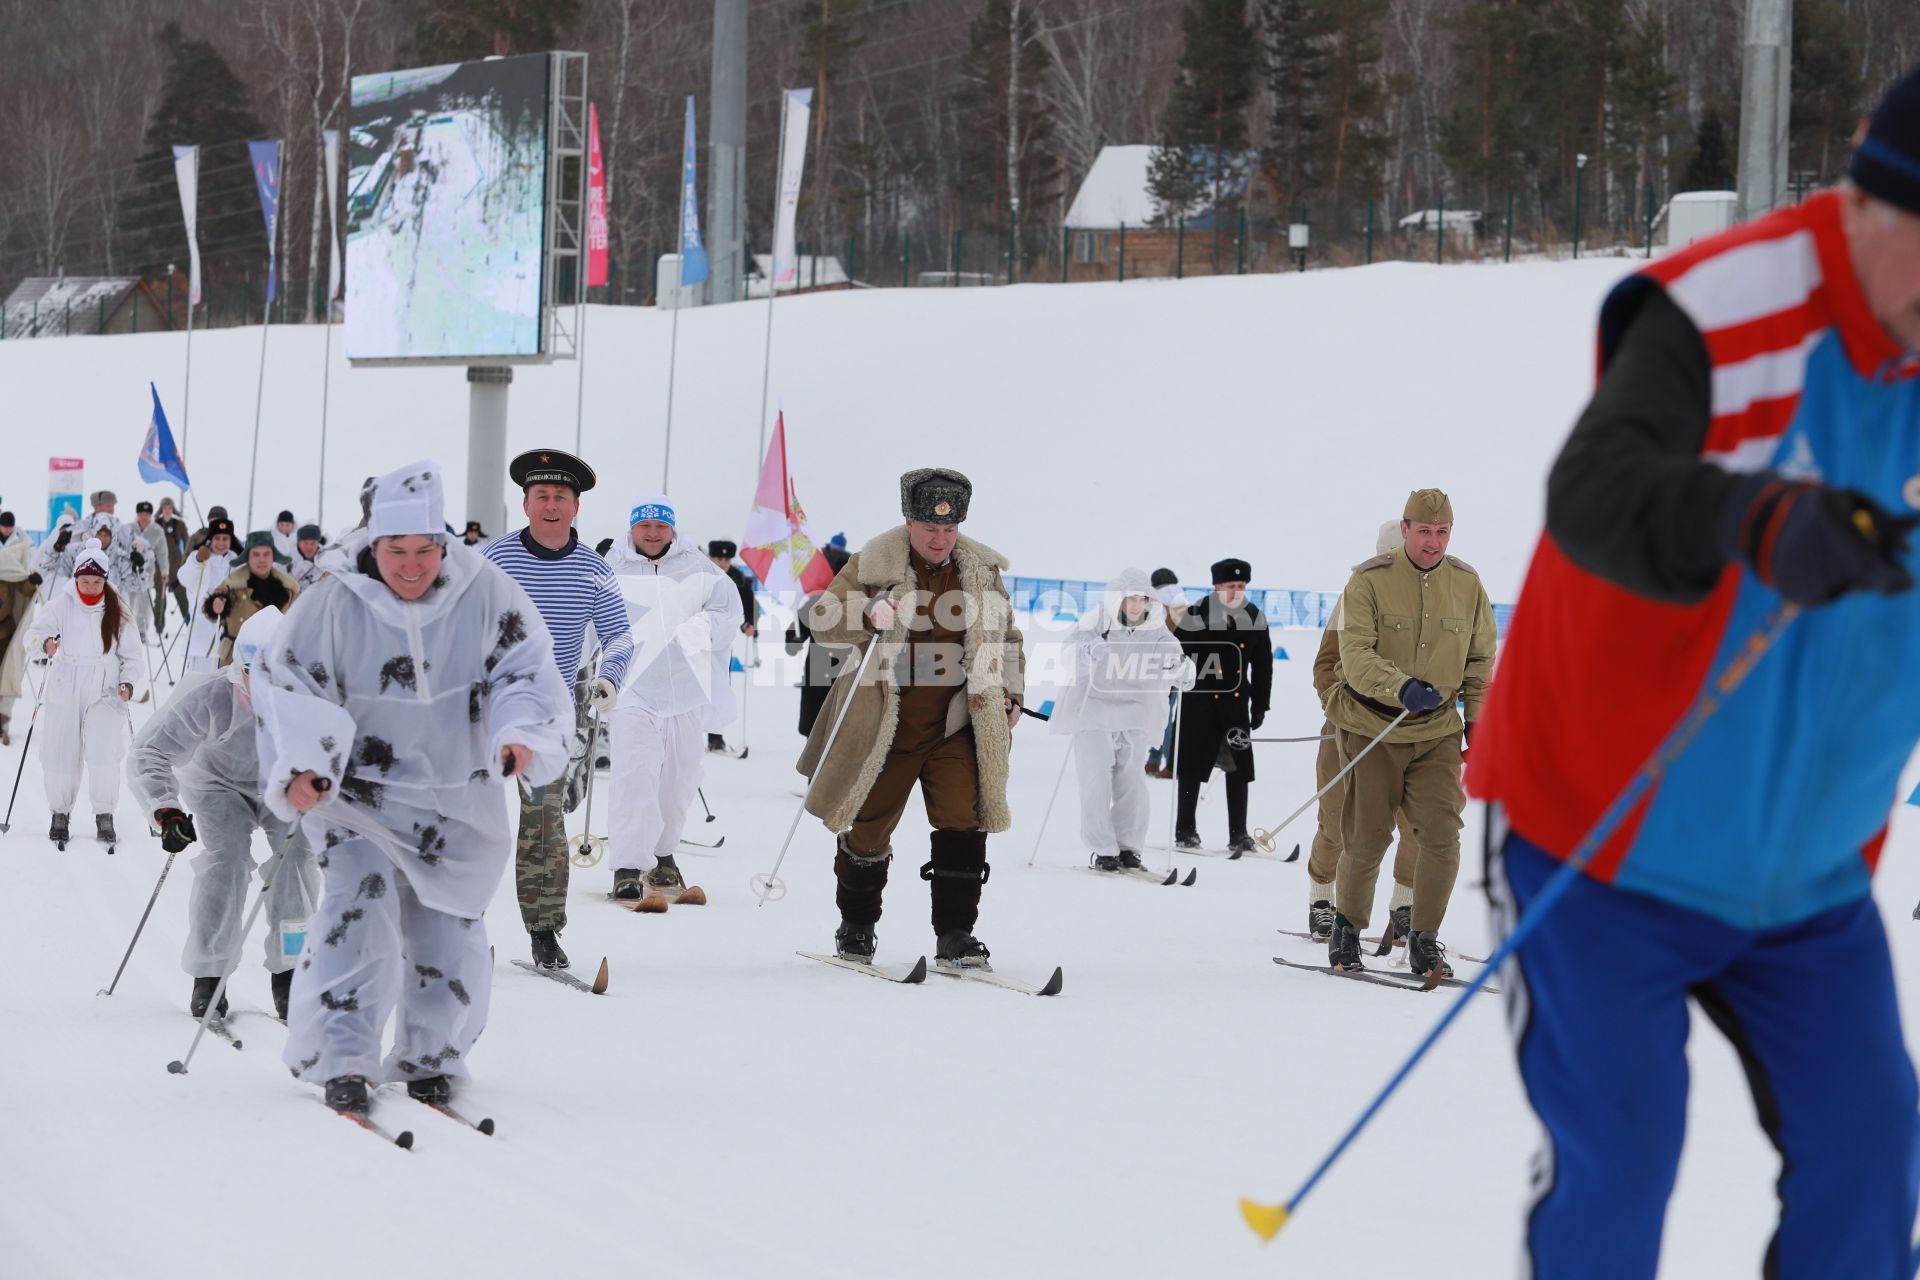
[551, 466]
[140, 508]
[721, 547]
[1231, 570]
[935, 495]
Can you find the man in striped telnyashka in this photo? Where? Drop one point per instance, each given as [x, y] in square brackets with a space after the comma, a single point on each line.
[571, 586]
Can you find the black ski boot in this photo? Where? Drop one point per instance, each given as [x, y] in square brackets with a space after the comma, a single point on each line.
[546, 949]
[1427, 955]
[1240, 845]
[1320, 920]
[854, 942]
[103, 828]
[436, 1091]
[348, 1094]
[716, 743]
[1399, 924]
[1343, 947]
[1186, 840]
[626, 884]
[958, 949]
[58, 831]
[1130, 861]
[282, 992]
[203, 989]
[1105, 862]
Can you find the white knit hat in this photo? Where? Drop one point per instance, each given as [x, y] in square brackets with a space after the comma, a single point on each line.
[408, 501]
[90, 560]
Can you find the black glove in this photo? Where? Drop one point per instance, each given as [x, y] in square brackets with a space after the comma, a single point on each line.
[66, 535]
[1259, 716]
[1466, 739]
[34, 578]
[176, 829]
[1419, 697]
[139, 562]
[1814, 544]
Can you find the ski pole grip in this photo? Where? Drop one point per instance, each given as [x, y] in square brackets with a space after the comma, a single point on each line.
[323, 785]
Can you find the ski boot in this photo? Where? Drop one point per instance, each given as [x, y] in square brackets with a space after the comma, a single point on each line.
[1186, 840]
[103, 830]
[435, 1091]
[546, 949]
[666, 877]
[1427, 955]
[348, 1094]
[1320, 920]
[958, 949]
[854, 942]
[203, 989]
[1343, 945]
[716, 743]
[58, 831]
[626, 884]
[1130, 861]
[282, 992]
[1240, 844]
[1399, 924]
[1106, 861]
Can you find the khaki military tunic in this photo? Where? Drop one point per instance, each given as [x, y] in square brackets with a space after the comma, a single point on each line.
[1399, 622]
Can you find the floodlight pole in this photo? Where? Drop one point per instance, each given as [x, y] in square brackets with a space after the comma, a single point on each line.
[1765, 88]
[487, 387]
[727, 154]
[773, 287]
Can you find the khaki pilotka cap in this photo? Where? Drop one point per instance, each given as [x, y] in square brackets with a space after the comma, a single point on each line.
[1428, 506]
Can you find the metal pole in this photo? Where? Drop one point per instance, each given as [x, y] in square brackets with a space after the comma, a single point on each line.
[326, 385]
[259, 395]
[186, 392]
[137, 929]
[773, 290]
[727, 151]
[764, 885]
[580, 358]
[673, 360]
[1766, 82]
[1059, 778]
[1264, 838]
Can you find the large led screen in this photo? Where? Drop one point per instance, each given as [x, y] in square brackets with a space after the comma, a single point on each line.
[446, 183]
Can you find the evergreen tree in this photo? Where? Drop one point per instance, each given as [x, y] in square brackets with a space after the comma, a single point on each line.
[1641, 112]
[463, 30]
[1356, 100]
[981, 106]
[1827, 93]
[203, 103]
[1296, 155]
[1200, 158]
[829, 36]
[1711, 166]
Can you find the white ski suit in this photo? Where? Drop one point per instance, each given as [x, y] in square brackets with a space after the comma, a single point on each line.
[53, 562]
[199, 754]
[684, 614]
[84, 720]
[404, 708]
[1116, 708]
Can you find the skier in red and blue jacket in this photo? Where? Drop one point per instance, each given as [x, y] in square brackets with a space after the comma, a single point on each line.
[1754, 438]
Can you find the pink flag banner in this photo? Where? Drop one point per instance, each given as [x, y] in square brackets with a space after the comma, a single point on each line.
[596, 203]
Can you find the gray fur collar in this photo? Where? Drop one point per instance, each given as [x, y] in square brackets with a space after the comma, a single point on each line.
[884, 560]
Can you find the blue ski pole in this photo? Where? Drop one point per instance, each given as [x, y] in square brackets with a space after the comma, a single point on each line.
[1267, 1219]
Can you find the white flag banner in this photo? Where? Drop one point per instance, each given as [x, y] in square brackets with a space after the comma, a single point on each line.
[331, 138]
[186, 169]
[793, 153]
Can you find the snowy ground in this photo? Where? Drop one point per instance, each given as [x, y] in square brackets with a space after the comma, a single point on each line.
[729, 1109]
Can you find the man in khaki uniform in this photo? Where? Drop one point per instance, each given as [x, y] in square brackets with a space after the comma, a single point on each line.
[1324, 861]
[936, 709]
[1417, 635]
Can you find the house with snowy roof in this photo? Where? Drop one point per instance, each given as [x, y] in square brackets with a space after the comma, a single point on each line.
[63, 305]
[1115, 210]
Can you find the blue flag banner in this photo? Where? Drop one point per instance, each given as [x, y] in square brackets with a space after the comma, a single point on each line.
[693, 253]
[159, 458]
[266, 176]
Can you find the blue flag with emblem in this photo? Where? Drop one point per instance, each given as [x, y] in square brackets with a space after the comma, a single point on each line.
[159, 457]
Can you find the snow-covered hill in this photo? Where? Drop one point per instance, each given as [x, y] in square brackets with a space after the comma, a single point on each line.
[731, 1110]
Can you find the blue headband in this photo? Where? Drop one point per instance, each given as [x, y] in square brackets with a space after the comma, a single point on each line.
[651, 511]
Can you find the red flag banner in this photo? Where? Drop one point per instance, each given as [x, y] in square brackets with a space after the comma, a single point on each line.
[777, 545]
[596, 203]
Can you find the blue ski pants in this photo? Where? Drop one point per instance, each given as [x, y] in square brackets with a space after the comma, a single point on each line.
[1598, 1009]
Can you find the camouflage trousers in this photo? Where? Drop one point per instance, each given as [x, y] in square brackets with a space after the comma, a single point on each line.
[540, 858]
